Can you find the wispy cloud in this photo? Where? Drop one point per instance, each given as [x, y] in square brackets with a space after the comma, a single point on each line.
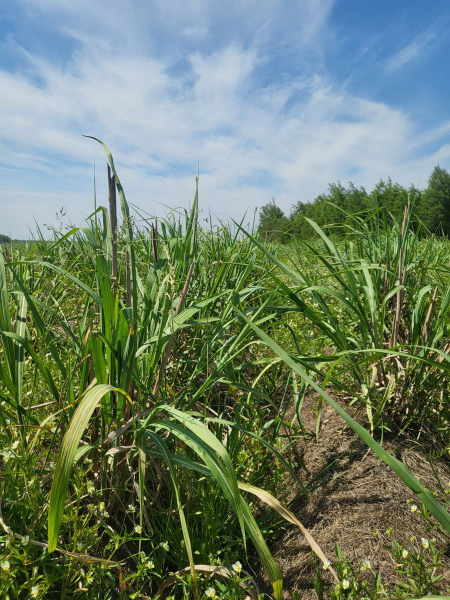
[199, 33]
[412, 51]
[257, 111]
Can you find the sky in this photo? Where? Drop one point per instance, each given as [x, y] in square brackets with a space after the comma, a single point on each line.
[267, 98]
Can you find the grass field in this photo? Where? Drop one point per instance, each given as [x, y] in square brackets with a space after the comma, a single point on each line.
[161, 383]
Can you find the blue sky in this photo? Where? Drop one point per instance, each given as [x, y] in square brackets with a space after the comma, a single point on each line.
[268, 98]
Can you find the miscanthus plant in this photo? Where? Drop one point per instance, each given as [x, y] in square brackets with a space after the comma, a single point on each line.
[378, 301]
[123, 367]
[141, 406]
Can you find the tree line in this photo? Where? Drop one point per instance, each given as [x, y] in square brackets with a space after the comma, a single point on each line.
[430, 208]
[5, 239]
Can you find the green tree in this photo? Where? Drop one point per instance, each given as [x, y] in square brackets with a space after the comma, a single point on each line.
[434, 209]
[273, 224]
[331, 209]
[4, 239]
[356, 199]
[391, 196]
[342, 202]
[299, 228]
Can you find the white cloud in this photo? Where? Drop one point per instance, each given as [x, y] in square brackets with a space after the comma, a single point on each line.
[255, 132]
[199, 33]
[412, 51]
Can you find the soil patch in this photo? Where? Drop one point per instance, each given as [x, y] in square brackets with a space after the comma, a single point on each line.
[354, 495]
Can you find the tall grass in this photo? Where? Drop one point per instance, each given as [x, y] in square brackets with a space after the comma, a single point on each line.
[379, 300]
[141, 361]
[135, 332]
[378, 348]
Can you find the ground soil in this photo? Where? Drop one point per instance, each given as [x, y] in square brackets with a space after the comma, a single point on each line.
[355, 494]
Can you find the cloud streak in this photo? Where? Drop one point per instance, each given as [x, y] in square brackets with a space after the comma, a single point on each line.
[260, 122]
[414, 50]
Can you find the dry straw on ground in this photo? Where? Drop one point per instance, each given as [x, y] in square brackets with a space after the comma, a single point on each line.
[356, 496]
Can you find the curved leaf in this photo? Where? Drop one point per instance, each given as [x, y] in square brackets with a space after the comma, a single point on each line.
[67, 458]
[400, 469]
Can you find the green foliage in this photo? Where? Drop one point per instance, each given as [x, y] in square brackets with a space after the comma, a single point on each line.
[4, 239]
[273, 223]
[379, 303]
[124, 359]
[435, 205]
[141, 413]
[430, 209]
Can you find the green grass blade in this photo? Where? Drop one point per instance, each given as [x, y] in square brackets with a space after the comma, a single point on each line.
[227, 482]
[66, 458]
[399, 468]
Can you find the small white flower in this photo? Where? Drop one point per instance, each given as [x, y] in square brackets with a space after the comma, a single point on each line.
[15, 444]
[414, 508]
[131, 508]
[150, 564]
[365, 565]
[91, 488]
[210, 592]
[102, 512]
[345, 584]
[79, 546]
[138, 529]
[326, 564]
[237, 567]
[405, 553]
[35, 591]
[425, 543]
[25, 539]
[165, 546]
[5, 565]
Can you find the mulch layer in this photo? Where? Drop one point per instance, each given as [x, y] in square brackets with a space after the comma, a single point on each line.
[354, 495]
